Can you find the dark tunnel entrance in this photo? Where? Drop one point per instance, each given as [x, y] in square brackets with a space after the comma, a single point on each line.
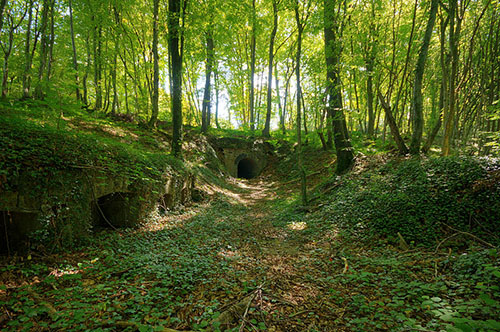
[247, 168]
[15, 229]
[113, 210]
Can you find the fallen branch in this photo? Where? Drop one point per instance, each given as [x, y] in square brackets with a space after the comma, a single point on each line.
[246, 313]
[459, 232]
[232, 313]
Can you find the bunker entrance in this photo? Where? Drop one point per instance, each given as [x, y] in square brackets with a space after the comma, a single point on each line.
[247, 168]
[112, 210]
[15, 228]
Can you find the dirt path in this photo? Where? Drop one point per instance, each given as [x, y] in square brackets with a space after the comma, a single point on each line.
[285, 262]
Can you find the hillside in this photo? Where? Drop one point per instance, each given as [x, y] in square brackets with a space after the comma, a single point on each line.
[396, 244]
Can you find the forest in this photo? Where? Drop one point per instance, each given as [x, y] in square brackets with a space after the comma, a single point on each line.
[252, 165]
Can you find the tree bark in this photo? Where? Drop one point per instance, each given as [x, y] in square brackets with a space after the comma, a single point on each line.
[50, 56]
[417, 102]
[39, 89]
[403, 149]
[156, 68]
[174, 45]
[28, 60]
[216, 84]
[280, 111]
[115, 104]
[442, 89]
[369, 96]
[333, 49]
[454, 36]
[3, 3]
[207, 96]
[252, 69]
[300, 28]
[267, 126]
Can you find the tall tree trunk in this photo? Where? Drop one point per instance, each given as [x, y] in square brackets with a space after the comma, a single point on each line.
[300, 28]
[174, 45]
[3, 3]
[28, 59]
[403, 149]
[280, 111]
[7, 53]
[115, 104]
[454, 36]
[216, 84]
[75, 62]
[96, 43]
[333, 49]
[39, 89]
[443, 87]
[156, 68]
[267, 126]
[369, 96]
[437, 126]
[417, 102]
[207, 95]
[252, 69]
[407, 63]
[87, 71]
[50, 57]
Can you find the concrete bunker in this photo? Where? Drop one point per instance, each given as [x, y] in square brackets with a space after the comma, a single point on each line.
[243, 158]
[247, 168]
[114, 210]
[16, 228]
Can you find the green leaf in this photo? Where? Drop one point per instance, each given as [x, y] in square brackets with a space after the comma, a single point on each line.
[487, 299]
[493, 324]
[145, 328]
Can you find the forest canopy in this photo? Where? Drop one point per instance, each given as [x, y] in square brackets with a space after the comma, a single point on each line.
[429, 70]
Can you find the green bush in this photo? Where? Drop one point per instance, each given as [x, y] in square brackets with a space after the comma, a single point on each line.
[421, 199]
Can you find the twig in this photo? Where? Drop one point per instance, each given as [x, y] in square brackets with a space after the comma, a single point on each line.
[88, 167]
[242, 326]
[458, 232]
[300, 313]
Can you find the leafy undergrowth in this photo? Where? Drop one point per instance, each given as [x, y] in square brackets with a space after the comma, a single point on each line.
[37, 141]
[424, 200]
[302, 271]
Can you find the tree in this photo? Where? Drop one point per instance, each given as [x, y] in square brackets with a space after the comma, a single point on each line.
[7, 49]
[3, 3]
[28, 53]
[333, 48]
[44, 48]
[73, 44]
[251, 95]
[301, 20]
[207, 97]
[267, 125]
[175, 50]
[417, 102]
[156, 68]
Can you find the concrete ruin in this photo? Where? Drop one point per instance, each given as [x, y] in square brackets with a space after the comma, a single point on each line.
[242, 158]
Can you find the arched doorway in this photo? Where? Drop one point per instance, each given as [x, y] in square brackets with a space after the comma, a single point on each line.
[247, 168]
